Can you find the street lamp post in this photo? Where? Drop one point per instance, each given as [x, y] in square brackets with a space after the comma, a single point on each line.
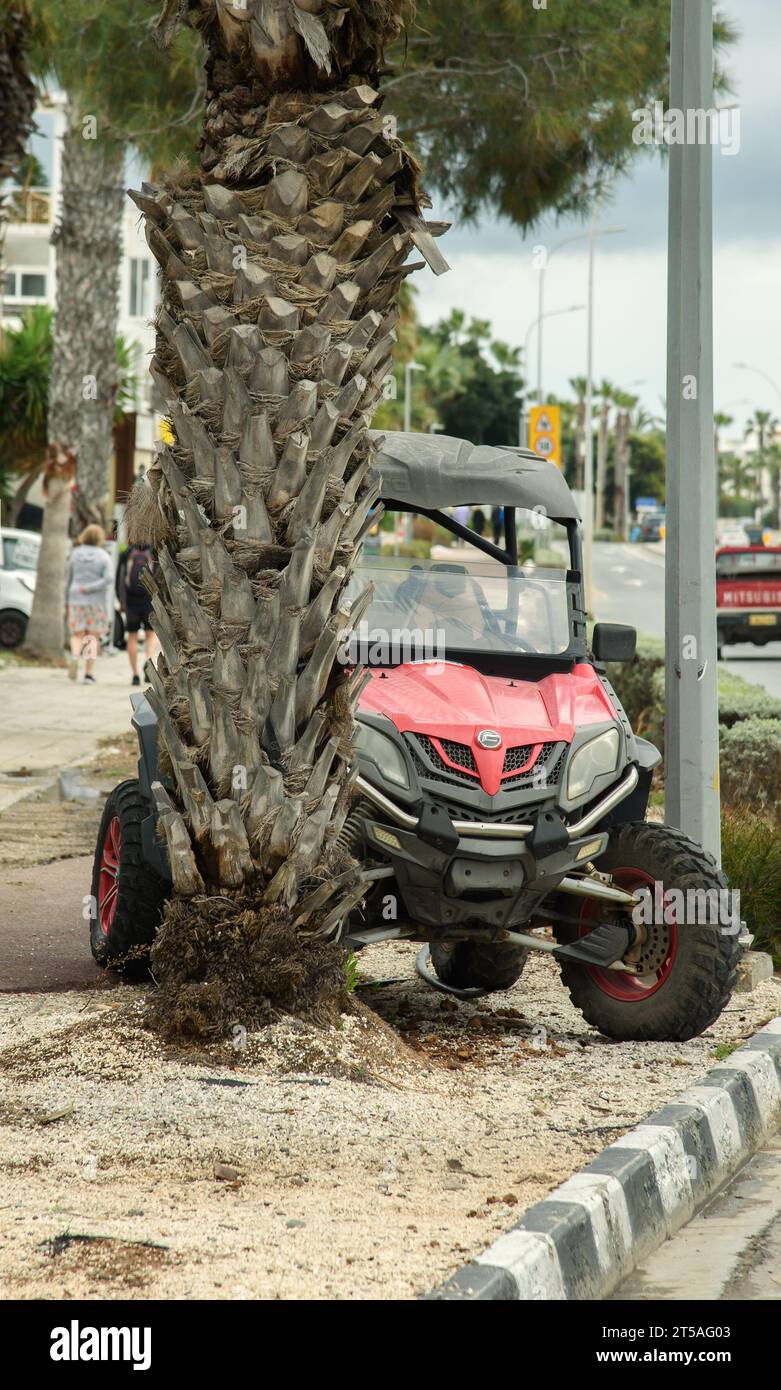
[551, 313]
[745, 367]
[541, 315]
[691, 705]
[409, 368]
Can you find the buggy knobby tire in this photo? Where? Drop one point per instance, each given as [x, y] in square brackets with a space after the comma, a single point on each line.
[126, 912]
[688, 991]
[478, 964]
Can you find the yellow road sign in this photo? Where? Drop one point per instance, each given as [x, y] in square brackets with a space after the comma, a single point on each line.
[545, 432]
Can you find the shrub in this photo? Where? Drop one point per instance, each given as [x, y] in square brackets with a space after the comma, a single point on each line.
[751, 763]
[633, 681]
[738, 700]
[751, 854]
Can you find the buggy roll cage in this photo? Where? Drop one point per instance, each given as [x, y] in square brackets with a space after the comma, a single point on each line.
[523, 665]
[508, 556]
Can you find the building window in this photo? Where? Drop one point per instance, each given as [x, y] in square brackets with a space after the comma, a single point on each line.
[10, 283]
[33, 286]
[140, 307]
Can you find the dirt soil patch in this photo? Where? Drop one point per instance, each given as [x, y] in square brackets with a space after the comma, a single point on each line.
[41, 828]
[364, 1160]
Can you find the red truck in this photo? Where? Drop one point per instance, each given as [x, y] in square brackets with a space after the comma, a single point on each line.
[748, 594]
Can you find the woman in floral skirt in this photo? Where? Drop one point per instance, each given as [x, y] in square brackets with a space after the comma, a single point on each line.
[89, 592]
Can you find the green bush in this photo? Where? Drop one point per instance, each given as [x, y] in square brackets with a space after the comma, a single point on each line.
[751, 763]
[751, 854]
[633, 681]
[640, 686]
[738, 700]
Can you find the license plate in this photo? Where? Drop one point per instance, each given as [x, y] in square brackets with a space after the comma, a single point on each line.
[762, 620]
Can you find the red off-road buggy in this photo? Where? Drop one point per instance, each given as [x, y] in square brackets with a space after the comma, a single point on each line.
[501, 785]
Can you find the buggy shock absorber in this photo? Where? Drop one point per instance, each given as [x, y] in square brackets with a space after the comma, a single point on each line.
[351, 835]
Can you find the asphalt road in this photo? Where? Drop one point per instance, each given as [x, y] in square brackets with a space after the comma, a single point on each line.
[628, 584]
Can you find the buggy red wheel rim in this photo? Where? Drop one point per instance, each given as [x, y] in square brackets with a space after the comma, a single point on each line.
[661, 946]
[108, 879]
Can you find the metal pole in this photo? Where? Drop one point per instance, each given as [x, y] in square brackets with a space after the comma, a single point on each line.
[588, 420]
[407, 399]
[691, 706]
[540, 317]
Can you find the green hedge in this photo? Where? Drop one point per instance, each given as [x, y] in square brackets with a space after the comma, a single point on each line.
[633, 681]
[751, 763]
[751, 854]
[738, 700]
[749, 724]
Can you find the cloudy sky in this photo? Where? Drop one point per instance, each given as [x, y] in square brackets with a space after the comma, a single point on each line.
[493, 273]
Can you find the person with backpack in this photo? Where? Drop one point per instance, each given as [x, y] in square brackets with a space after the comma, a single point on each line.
[135, 603]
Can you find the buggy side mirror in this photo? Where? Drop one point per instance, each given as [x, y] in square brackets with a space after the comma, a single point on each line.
[613, 642]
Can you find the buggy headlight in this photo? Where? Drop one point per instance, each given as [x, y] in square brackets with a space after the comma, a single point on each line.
[590, 761]
[382, 751]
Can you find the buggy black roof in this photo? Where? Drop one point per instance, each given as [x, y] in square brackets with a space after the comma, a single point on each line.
[436, 470]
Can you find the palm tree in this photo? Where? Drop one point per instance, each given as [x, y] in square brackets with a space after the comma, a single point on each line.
[104, 116]
[626, 403]
[605, 392]
[25, 362]
[281, 267]
[721, 421]
[579, 385]
[764, 425]
[17, 104]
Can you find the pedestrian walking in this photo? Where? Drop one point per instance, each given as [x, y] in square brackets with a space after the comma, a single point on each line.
[88, 586]
[478, 521]
[135, 602]
[497, 524]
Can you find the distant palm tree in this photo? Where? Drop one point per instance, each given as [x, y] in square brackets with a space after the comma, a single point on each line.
[764, 425]
[579, 385]
[720, 422]
[605, 393]
[625, 403]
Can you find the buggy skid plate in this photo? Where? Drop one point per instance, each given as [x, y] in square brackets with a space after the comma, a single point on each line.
[484, 883]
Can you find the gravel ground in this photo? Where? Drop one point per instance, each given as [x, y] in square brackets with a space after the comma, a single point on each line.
[364, 1161]
[42, 827]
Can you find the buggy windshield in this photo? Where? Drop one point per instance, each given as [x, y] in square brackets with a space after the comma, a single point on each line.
[429, 610]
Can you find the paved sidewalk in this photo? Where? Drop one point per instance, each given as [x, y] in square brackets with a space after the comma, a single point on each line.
[48, 722]
[43, 934]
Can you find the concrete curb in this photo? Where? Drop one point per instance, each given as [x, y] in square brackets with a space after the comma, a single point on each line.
[580, 1242]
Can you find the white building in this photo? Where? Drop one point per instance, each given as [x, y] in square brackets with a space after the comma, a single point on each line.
[31, 268]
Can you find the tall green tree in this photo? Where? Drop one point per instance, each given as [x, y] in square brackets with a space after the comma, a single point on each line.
[17, 105]
[521, 109]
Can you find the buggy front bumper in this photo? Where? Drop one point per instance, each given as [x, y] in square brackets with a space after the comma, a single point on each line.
[506, 830]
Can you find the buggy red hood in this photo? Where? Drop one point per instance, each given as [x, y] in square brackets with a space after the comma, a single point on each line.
[448, 701]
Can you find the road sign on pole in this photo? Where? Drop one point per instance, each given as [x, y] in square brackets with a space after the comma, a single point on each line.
[545, 432]
[691, 703]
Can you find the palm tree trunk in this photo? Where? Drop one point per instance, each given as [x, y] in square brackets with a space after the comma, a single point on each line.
[88, 238]
[17, 106]
[621, 474]
[281, 269]
[83, 371]
[45, 636]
